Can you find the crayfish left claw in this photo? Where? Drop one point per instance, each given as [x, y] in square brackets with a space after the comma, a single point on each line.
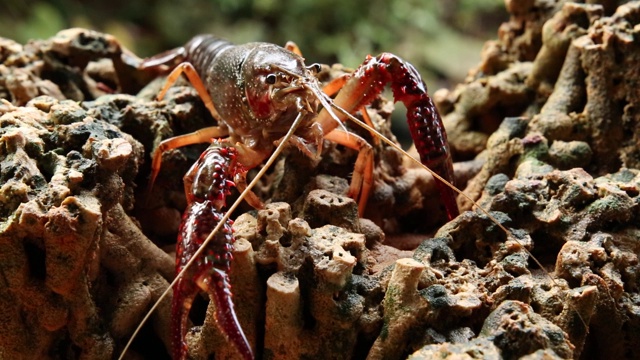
[183, 295]
[225, 314]
[207, 185]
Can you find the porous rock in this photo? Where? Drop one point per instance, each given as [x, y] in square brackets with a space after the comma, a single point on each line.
[67, 179]
[516, 330]
[547, 126]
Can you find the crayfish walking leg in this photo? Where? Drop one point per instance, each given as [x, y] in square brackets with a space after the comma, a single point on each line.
[207, 184]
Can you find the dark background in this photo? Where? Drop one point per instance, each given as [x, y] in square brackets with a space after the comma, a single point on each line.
[442, 38]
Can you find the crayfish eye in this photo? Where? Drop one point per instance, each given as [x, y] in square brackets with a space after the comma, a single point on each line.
[271, 79]
[315, 68]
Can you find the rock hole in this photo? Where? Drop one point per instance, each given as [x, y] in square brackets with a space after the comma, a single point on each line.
[9, 172]
[285, 240]
[147, 345]
[198, 311]
[308, 282]
[557, 310]
[36, 259]
[84, 40]
[582, 20]
[616, 81]
[536, 307]
[46, 165]
[546, 250]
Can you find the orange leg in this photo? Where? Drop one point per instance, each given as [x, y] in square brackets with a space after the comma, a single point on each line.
[362, 179]
[315, 132]
[251, 198]
[293, 47]
[249, 158]
[196, 137]
[367, 120]
[195, 81]
[335, 85]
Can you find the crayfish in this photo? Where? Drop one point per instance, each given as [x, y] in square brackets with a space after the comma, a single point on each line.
[264, 96]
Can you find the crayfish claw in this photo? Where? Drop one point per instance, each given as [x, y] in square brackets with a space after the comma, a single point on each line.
[225, 315]
[184, 292]
[207, 184]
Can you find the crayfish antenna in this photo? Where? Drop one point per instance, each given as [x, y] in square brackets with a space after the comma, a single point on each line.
[328, 104]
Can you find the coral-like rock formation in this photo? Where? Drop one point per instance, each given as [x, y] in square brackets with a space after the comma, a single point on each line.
[545, 134]
[516, 330]
[68, 247]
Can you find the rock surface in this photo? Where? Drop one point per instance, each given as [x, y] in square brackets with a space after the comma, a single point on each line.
[545, 130]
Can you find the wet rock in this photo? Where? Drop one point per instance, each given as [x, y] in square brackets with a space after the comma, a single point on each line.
[323, 207]
[480, 348]
[321, 264]
[517, 331]
[565, 155]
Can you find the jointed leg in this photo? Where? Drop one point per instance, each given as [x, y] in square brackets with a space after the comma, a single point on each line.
[251, 198]
[293, 47]
[362, 178]
[336, 85]
[196, 137]
[195, 81]
[248, 158]
[425, 124]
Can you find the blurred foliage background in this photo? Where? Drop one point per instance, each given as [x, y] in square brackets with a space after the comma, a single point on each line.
[442, 38]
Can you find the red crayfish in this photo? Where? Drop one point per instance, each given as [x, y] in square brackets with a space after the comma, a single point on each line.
[264, 95]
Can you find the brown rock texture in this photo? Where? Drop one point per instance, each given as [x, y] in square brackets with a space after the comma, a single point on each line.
[545, 136]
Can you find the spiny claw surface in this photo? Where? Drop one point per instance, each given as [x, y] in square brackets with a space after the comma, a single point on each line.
[425, 124]
[207, 185]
